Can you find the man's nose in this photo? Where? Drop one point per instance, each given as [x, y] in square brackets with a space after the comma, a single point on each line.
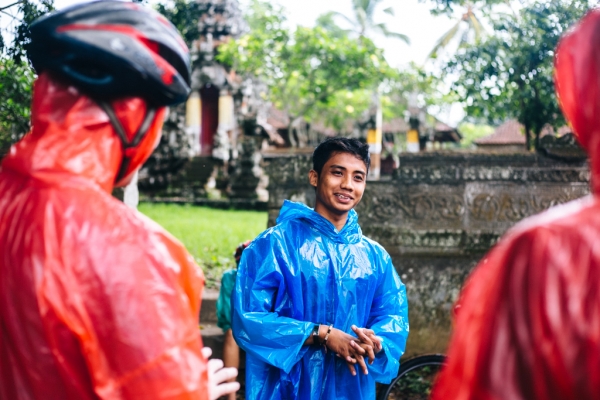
[347, 183]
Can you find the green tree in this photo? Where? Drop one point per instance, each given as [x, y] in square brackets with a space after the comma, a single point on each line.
[343, 109]
[353, 105]
[16, 74]
[305, 68]
[184, 14]
[471, 132]
[414, 79]
[16, 81]
[510, 73]
[327, 22]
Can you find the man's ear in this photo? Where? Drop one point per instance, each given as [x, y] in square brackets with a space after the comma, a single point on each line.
[313, 178]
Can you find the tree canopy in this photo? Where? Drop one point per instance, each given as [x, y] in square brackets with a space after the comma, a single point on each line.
[184, 15]
[510, 73]
[304, 70]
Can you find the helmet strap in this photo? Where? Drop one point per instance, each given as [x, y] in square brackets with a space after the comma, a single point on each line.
[126, 144]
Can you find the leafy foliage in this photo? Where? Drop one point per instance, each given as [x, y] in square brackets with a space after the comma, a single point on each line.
[471, 132]
[510, 73]
[343, 107]
[305, 68]
[28, 11]
[327, 22]
[16, 74]
[184, 14]
[354, 105]
[413, 79]
[16, 80]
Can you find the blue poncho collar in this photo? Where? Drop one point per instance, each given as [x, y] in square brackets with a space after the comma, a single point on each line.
[350, 233]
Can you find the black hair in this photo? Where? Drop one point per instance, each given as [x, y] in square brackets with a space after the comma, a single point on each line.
[333, 145]
[237, 255]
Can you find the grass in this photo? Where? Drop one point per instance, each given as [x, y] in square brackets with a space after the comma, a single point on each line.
[210, 235]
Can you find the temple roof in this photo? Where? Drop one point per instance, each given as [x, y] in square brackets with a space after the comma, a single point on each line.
[509, 133]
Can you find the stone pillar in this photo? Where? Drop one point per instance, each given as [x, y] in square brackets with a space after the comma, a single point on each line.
[193, 118]
[247, 172]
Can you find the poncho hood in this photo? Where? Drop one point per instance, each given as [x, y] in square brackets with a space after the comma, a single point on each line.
[350, 233]
[577, 67]
[72, 138]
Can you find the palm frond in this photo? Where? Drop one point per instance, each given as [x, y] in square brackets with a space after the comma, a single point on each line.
[360, 5]
[387, 33]
[445, 39]
[327, 22]
[363, 20]
[476, 25]
[370, 6]
[389, 11]
[333, 14]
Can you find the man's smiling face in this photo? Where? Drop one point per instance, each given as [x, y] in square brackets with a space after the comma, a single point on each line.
[340, 185]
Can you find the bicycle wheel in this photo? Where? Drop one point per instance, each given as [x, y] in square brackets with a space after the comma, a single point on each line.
[415, 378]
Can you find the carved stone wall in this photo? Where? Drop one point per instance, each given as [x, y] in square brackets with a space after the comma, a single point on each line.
[438, 215]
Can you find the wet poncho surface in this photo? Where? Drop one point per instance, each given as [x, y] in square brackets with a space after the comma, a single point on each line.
[303, 272]
[96, 301]
[528, 326]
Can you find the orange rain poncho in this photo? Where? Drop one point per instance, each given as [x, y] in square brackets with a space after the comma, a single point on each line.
[96, 301]
[529, 322]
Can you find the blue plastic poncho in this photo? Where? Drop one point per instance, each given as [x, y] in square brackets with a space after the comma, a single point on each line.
[302, 272]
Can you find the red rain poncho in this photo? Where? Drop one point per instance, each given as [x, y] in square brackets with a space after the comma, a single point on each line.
[529, 322]
[96, 301]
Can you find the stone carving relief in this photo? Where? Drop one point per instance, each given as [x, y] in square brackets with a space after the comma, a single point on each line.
[416, 206]
[504, 207]
[486, 206]
[453, 175]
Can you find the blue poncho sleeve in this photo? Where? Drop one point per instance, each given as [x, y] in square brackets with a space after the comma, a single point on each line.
[389, 320]
[257, 326]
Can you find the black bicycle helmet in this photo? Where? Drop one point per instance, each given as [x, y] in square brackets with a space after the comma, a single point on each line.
[112, 49]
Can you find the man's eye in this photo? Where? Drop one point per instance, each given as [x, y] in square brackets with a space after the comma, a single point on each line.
[337, 172]
[359, 178]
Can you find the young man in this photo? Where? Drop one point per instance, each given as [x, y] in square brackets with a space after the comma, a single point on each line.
[314, 298]
[96, 301]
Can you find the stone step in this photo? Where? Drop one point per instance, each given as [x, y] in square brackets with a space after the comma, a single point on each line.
[208, 311]
[213, 337]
